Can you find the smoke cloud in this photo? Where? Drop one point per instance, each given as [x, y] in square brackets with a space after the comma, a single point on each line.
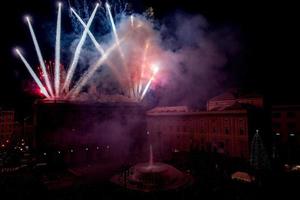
[192, 56]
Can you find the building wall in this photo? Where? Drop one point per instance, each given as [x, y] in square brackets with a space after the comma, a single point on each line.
[225, 132]
[6, 125]
[286, 122]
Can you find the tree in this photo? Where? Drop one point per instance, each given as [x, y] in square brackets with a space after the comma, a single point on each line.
[259, 157]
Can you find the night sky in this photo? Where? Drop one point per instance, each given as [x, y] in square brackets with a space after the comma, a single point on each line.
[267, 61]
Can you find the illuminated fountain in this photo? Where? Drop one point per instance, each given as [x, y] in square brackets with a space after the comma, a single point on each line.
[153, 176]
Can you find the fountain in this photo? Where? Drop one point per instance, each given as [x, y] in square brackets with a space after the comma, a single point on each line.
[152, 176]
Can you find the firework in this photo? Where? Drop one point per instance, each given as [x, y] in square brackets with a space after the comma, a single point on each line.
[130, 57]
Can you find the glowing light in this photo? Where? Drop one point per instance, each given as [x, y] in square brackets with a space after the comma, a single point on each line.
[57, 52]
[131, 20]
[33, 74]
[27, 18]
[77, 52]
[155, 68]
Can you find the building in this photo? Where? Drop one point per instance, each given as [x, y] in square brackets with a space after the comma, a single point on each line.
[89, 132]
[226, 126]
[286, 121]
[232, 97]
[180, 129]
[6, 125]
[286, 130]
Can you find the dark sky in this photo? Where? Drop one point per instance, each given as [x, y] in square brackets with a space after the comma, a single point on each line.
[268, 36]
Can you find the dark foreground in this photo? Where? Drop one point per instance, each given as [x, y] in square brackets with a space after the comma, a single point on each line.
[212, 180]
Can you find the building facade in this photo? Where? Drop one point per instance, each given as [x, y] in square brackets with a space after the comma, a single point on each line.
[176, 129]
[226, 126]
[286, 132]
[7, 118]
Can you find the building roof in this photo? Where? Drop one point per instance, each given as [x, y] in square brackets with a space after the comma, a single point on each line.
[234, 106]
[167, 109]
[185, 110]
[286, 107]
[233, 94]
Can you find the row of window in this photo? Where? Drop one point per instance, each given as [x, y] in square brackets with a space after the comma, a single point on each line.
[278, 125]
[202, 130]
[288, 114]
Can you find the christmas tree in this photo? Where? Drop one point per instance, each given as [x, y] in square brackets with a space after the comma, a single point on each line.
[259, 157]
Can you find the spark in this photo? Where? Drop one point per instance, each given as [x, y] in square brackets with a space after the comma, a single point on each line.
[90, 72]
[77, 52]
[112, 22]
[33, 74]
[143, 66]
[131, 89]
[97, 45]
[40, 57]
[155, 70]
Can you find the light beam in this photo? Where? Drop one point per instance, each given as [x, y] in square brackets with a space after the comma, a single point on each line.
[143, 66]
[155, 70]
[33, 74]
[57, 52]
[40, 57]
[97, 45]
[90, 72]
[71, 69]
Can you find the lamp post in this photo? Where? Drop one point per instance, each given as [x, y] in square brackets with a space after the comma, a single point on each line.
[291, 141]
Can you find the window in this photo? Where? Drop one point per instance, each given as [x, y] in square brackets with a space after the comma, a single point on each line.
[241, 131]
[221, 145]
[291, 126]
[291, 114]
[276, 115]
[214, 130]
[276, 125]
[226, 131]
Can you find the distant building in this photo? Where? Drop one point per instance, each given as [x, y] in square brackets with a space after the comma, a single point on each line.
[226, 126]
[7, 118]
[232, 97]
[286, 121]
[185, 130]
[286, 131]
